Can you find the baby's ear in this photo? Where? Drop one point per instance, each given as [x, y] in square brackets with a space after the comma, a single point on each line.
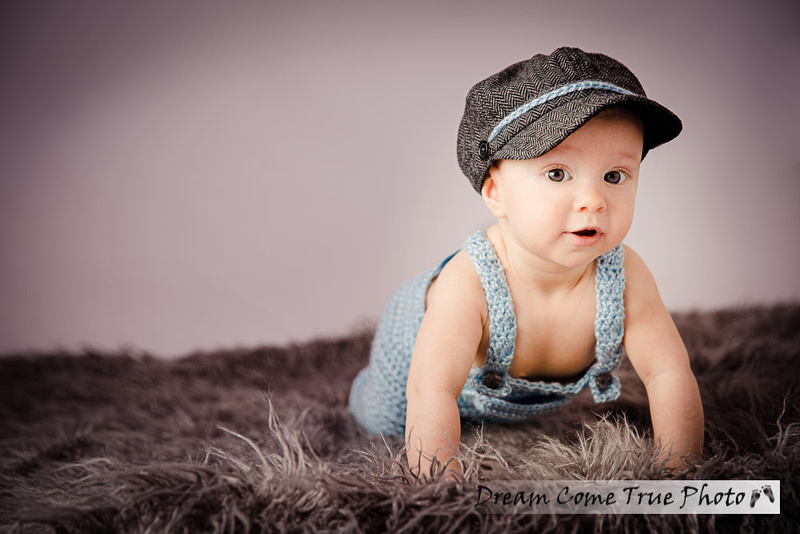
[492, 194]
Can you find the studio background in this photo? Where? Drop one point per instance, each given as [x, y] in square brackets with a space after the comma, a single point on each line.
[193, 175]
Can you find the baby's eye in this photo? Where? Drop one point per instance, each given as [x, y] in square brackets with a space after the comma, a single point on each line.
[558, 175]
[615, 177]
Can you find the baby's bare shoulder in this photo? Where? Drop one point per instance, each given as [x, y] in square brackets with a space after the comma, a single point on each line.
[457, 285]
[635, 267]
[641, 291]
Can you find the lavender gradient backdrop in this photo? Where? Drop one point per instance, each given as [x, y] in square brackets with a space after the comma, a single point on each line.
[182, 175]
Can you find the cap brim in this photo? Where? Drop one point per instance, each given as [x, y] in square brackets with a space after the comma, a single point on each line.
[546, 132]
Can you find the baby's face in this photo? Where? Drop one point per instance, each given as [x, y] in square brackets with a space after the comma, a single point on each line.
[576, 202]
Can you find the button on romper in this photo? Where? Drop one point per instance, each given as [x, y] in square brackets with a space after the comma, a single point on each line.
[377, 397]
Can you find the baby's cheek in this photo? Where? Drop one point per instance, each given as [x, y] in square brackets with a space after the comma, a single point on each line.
[624, 225]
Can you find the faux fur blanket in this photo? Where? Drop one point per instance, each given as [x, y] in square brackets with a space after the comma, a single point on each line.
[260, 440]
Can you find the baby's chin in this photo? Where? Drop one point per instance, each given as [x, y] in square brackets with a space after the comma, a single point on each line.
[586, 252]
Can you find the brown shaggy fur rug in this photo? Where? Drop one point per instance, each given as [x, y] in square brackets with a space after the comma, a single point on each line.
[260, 440]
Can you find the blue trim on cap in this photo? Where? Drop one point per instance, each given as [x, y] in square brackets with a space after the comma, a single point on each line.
[555, 93]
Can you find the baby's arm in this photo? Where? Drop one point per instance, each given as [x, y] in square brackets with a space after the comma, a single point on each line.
[658, 355]
[446, 346]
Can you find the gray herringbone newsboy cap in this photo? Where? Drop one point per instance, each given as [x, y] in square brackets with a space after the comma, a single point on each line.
[527, 109]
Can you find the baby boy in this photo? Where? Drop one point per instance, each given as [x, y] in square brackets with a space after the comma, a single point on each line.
[543, 303]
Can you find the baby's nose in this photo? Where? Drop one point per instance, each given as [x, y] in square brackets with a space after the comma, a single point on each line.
[590, 197]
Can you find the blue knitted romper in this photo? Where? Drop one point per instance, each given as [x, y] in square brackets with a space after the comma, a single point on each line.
[377, 398]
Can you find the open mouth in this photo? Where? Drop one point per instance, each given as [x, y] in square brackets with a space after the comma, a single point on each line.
[586, 233]
[586, 237]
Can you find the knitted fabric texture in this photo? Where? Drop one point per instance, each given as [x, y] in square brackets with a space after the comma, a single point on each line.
[377, 398]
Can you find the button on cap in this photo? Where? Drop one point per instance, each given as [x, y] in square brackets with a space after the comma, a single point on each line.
[483, 150]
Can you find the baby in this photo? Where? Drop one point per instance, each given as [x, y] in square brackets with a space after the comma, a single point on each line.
[542, 304]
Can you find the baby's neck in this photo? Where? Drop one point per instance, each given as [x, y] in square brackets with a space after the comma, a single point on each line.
[534, 273]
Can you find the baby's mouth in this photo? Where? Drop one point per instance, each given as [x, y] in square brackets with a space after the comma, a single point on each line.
[586, 237]
[588, 232]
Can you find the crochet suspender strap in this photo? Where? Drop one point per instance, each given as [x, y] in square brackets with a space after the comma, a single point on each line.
[502, 321]
[609, 325]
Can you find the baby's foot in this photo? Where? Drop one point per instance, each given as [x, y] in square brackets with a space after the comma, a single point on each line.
[768, 492]
[754, 497]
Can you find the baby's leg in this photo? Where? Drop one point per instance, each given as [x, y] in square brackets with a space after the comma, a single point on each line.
[378, 396]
